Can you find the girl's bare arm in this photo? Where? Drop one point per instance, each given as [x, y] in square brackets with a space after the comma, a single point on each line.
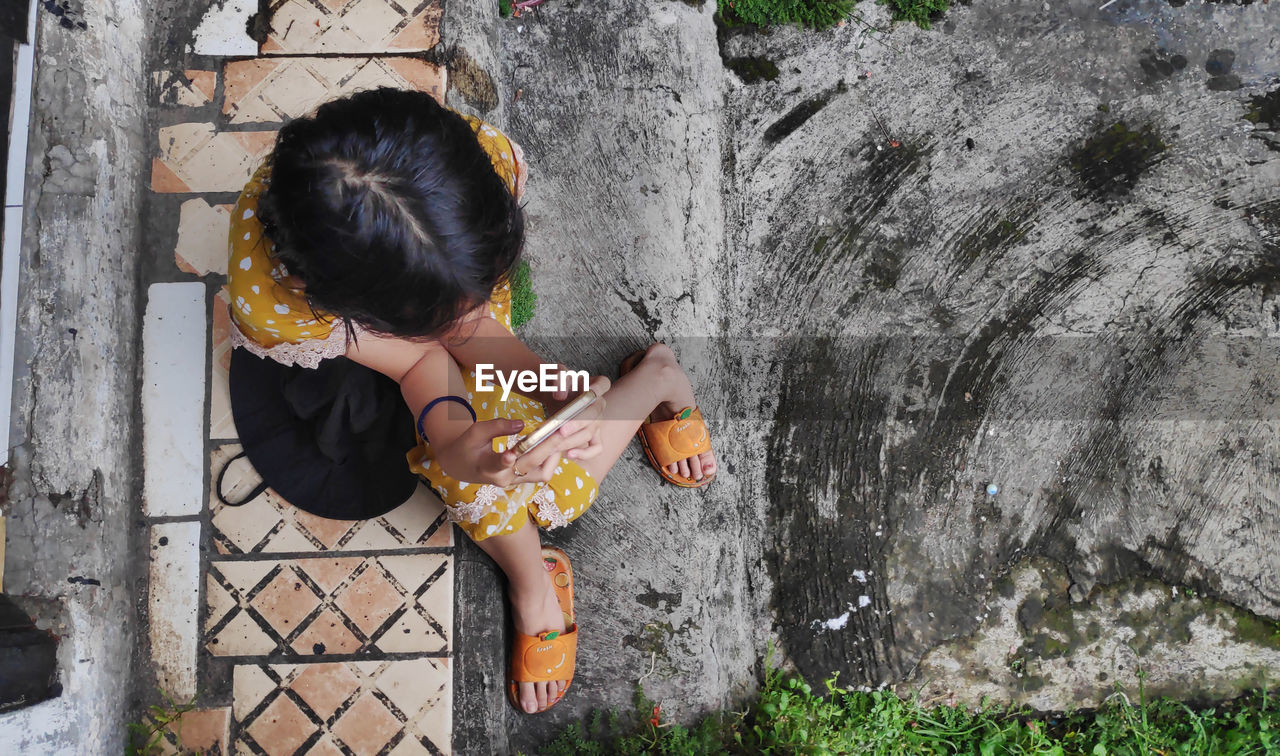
[462, 447]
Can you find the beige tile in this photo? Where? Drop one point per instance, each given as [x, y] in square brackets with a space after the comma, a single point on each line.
[195, 157]
[190, 88]
[221, 423]
[202, 237]
[202, 731]
[346, 707]
[268, 524]
[281, 728]
[275, 89]
[325, 606]
[352, 26]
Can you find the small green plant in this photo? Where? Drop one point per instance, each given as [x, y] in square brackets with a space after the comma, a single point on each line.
[523, 298]
[789, 716]
[146, 738]
[919, 12]
[504, 8]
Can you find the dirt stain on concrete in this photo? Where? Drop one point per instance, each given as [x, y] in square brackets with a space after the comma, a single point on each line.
[1111, 161]
[786, 125]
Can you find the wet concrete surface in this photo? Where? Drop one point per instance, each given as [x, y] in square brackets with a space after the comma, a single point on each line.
[1032, 251]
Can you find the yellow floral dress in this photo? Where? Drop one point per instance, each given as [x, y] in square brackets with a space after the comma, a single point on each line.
[275, 321]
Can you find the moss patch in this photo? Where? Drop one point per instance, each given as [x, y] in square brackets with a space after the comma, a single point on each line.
[1260, 631]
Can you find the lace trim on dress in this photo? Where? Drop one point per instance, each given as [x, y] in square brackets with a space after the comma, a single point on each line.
[472, 511]
[307, 354]
[548, 510]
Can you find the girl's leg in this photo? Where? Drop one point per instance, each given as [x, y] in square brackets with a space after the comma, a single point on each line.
[657, 383]
[534, 607]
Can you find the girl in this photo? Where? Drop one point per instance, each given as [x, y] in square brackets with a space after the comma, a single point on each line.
[382, 230]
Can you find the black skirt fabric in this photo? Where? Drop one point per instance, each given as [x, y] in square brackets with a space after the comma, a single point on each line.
[330, 440]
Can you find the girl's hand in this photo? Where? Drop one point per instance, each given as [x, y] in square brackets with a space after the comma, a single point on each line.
[581, 435]
[470, 457]
[554, 400]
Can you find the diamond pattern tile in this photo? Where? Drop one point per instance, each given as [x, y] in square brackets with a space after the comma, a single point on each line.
[352, 26]
[184, 88]
[272, 90]
[268, 524]
[203, 731]
[330, 605]
[195, 157]
[366, 707]
[202, 237]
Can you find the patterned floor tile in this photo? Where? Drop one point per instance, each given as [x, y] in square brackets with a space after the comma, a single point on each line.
[277, 89]
[203, 731]
[352, 26]
[221, 423]
[184, 88]
[366, 707]
[195, 157]
[268, 524]
[330, 605]
[202, 237]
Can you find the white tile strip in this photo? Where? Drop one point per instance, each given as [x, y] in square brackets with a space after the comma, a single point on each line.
[15, 179]
[174, 601]
[223, 30]
[11, 245]
[173, 378]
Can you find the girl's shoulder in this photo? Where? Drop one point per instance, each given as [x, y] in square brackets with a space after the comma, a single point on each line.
[504, 153]
[270, 318]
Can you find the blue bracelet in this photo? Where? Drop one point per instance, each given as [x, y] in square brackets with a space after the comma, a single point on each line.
[423, 414]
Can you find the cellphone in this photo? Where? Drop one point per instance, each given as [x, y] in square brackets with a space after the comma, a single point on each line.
[554, 423]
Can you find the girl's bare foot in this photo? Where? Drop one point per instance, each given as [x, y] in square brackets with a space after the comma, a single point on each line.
[679, 393]
[534, 614]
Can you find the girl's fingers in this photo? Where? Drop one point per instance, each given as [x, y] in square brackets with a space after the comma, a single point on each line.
[580, 439]
[544, 472]
[585, 452]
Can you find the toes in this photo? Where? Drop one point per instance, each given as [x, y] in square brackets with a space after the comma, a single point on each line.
[695, 467]
[541, 691]
[684, 468]
[528, 699]
[708, 463]
[673, 468]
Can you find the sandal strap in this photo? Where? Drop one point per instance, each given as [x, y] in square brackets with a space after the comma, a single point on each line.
[682, 437]
[540, 659]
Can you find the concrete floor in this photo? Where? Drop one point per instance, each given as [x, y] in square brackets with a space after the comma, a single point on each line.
[1035, 247]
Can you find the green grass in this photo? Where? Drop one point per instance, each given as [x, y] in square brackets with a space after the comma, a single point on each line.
[919, 12]
[790, 717]
[816, 14]
[523, 299]
[821, 14]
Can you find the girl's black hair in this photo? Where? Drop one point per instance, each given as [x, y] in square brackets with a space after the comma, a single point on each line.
[388, 209]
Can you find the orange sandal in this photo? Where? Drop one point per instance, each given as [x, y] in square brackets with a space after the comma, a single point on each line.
[668, 441]
[547, 656]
